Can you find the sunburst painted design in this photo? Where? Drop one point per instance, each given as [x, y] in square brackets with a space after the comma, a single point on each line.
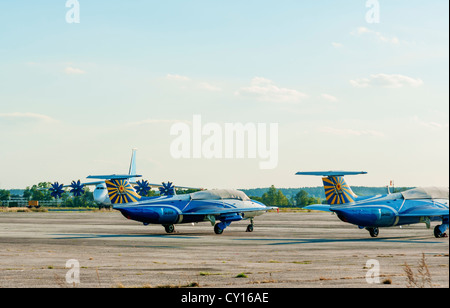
[121, 191]
[337, 191]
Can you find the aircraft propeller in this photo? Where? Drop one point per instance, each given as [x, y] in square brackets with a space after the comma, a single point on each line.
[56, 190]
[167, 189]
[77, 188]
[142, 188]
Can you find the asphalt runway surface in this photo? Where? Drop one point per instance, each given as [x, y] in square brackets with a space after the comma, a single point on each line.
[285, 250]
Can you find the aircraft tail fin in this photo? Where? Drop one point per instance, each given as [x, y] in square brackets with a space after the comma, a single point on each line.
[132, 169]
[337, 191]
[120, 190]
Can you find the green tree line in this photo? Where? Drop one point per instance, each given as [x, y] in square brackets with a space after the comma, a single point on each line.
[40, 192]
[275, 197]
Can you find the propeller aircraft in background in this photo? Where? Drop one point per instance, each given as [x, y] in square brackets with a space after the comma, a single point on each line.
[418, 205]
[100, 193]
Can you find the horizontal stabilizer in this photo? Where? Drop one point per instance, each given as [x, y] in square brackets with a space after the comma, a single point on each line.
[113, 176]
[318, 207]
[331, 173]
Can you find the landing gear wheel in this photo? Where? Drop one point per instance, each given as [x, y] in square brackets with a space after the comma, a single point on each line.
[250, 228]
[217, 229]
[438, 233]
[373, 232]
[169, 228]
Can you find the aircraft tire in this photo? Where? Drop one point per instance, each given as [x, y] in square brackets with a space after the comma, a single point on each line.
[437, 232]
[250, 228]
[374, 232]
[169, 228]
[217, 229]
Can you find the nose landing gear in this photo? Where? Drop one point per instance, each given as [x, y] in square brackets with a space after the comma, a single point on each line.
[439, 231]
[250, 226]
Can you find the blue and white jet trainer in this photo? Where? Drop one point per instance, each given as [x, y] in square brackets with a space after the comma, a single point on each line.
[418, 205]
[220, 207]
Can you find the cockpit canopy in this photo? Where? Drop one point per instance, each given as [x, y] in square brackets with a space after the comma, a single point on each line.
[426, 193]
[219, 194]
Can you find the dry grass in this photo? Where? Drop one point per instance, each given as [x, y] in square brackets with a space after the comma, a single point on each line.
[21, 210]
[422, 278]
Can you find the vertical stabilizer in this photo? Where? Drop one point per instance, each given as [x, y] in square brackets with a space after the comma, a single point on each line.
[132, 169]
[337, 190]
[120, 191]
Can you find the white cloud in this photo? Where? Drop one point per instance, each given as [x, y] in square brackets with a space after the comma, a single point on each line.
[337, 45]
[382, 38]
[329, 98]
[350, 132]
[387, 81]
[429, 124]
[73, 71]
[208, 87]
[27, 115]
[154, 121]
[188, 83]
[265, 90]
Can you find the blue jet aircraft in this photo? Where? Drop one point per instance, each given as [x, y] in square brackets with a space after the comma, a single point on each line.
[418, 205]
[220, 207]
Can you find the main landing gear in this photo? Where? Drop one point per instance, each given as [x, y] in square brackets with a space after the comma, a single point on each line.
[219, 227]
[374, 232]
[169, 228]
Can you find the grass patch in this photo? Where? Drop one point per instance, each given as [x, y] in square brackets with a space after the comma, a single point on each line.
[302, 262]
[208, 274]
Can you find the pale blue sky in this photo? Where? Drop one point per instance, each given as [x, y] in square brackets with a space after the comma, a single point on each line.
[75, 98]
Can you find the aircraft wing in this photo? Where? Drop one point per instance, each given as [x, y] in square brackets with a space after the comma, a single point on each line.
[176, 186]
[228, 211]
[88, 184]
[424, 211]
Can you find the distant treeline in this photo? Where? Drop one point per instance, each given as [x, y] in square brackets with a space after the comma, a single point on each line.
[318, 192]
[304, 196]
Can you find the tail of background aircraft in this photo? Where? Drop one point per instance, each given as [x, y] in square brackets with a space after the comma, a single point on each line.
[132, 169]
[337, 191]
